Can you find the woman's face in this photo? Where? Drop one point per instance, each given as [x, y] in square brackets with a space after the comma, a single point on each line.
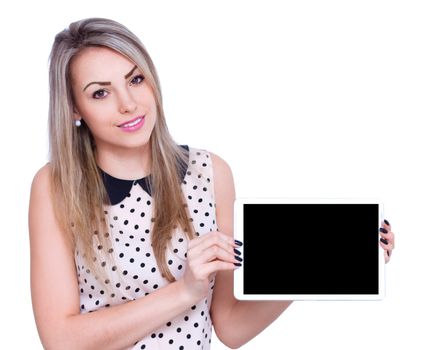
[113, 98]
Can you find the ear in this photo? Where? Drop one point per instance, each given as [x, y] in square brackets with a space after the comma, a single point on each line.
[77, 115]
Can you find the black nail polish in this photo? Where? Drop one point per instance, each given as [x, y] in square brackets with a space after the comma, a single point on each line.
[237, 252]
[238, 258]
[238, 242]
[237, 264]
[385, 241]
[388, 253]
[383, 230]
[385, 220]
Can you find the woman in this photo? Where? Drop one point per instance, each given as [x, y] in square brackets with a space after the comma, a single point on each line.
[125, 235]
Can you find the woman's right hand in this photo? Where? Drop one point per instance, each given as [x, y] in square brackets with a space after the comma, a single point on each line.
[206, 255]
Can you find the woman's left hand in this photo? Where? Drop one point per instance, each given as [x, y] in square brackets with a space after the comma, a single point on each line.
[387, 240]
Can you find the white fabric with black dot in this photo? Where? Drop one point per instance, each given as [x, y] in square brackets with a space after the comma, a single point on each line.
[135, 272]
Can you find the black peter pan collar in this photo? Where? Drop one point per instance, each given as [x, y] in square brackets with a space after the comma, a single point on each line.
[118, 189]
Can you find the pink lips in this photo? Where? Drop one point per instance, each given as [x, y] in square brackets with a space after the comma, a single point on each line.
[133, 124]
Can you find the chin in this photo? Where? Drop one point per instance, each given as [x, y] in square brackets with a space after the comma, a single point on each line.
[137, 143]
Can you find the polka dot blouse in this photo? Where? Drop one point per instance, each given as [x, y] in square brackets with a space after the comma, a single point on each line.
[134, 272]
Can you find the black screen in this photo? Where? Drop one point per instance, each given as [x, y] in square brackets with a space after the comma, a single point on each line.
[311, 248]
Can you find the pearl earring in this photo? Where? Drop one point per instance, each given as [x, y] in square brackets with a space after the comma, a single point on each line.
[78, 123]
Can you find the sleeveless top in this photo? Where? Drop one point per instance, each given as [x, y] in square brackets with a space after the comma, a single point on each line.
[134, 272]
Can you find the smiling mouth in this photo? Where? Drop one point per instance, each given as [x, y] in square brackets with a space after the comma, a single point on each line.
[132, 123]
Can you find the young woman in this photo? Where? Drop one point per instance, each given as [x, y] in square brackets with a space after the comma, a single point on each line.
[131, 234]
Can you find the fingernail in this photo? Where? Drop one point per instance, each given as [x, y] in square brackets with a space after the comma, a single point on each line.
[388, 253]
[237, 252]
[238, 242]
[385, 220]
[238, 258]
[385, 241]
[237, 264]
[383, 230]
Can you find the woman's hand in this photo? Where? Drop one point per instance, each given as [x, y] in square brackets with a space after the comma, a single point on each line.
[387, 240]
[206, 255]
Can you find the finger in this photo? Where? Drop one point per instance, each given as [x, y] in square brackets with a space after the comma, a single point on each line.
[383, 231]
[208, 240]
[216, 253]
[215, 235]
[386, 224]
[385, 227]
[385, 246]
[387, 255]
[384, 241]
[387, 252]
[389, 237]
[385, 236]
[230, 239]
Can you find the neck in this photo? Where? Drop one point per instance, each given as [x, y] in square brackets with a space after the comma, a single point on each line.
[127, 164]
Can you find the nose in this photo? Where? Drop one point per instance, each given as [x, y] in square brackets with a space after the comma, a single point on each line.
[127, 104]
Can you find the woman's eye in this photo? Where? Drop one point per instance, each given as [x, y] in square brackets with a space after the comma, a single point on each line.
[99, 94]
[137, 79]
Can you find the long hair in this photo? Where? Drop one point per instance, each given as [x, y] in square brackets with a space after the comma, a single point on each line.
[78, 191]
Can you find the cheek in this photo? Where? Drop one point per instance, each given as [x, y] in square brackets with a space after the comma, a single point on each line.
[145, 96]
[99, 119]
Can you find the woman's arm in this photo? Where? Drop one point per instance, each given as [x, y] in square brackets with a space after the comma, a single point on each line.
[235, 322]
[55, 294]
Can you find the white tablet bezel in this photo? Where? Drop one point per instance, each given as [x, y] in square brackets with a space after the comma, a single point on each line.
[238, 234]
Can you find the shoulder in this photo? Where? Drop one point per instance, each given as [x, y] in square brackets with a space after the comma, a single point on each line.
[222, 178]
[207, 159]
[221, 168]
[42, 179]
[44, 227]
[224, 189]
[211, 165]
[40, 203]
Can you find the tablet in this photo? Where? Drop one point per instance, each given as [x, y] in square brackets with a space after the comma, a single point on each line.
[309, 249]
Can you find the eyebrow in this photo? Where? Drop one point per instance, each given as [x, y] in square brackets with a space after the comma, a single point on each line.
[108, 82]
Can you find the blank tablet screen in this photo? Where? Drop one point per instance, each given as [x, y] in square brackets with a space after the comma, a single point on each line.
[311, 249]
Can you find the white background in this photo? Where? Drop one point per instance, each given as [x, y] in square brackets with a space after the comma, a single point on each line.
[302, 99]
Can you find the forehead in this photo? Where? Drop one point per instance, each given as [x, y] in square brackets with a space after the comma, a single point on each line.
[99, 63]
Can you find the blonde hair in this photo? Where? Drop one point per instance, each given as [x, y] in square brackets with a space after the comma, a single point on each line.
[78, 191]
